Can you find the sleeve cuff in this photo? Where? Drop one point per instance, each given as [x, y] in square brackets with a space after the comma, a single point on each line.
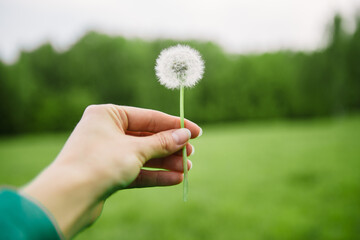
[22, 218]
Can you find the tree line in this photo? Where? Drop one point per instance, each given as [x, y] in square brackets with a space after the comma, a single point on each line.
[47, 91]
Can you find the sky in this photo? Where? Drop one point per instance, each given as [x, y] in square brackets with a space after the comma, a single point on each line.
[239, 26]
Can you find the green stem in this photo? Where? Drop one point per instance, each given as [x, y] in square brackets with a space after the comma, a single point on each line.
[185, 184]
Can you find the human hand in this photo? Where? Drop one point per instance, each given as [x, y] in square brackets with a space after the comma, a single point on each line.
[105, 153]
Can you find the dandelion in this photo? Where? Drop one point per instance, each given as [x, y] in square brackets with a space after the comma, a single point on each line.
[178, 67]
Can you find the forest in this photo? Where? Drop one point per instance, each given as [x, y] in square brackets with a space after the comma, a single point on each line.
[46, 90]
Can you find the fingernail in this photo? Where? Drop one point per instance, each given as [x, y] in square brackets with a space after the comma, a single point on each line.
[181, 136]
[200, 133]
[190, 164]
[192, 150]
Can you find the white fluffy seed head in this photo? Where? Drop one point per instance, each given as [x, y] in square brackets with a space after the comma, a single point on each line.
[179, 66]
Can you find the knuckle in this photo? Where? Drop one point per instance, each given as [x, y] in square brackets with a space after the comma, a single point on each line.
[97, 108]
[92, 109]
[151, 125]
[108, 105]
[165, 141]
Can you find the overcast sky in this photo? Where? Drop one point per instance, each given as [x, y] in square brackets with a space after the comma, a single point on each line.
[237, 25]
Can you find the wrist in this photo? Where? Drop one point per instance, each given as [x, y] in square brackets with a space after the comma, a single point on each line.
[68, 195]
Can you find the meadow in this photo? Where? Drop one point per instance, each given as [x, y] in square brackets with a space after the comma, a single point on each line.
[261, 180]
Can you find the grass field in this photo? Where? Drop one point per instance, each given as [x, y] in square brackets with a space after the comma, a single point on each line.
[285, 180]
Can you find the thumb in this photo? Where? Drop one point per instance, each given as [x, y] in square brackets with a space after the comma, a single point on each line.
[163, 143]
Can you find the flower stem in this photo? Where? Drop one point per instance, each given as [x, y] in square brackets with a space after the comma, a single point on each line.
[185, 184]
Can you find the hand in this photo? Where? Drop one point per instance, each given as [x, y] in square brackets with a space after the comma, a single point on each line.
[105, 153]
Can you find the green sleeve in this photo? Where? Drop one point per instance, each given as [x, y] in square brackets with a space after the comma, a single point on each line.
[21, 218]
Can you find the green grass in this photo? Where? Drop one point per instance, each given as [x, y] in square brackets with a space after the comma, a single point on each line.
[286, 180]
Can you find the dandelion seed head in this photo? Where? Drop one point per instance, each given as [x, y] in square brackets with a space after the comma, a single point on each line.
[179, 66]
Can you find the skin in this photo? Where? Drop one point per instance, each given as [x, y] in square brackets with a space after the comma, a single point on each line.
[105, 153]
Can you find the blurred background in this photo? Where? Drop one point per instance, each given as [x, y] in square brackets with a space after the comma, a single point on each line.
[279, 104]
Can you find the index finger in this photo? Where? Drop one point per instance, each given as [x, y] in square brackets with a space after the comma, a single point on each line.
[146, 120]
